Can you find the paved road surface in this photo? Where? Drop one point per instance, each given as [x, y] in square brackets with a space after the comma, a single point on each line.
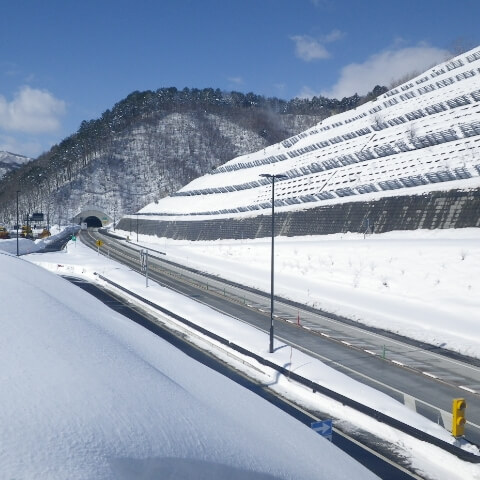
[424, 377]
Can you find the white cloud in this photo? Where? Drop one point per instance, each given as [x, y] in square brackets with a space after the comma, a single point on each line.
[383, 68]
[308, 48]
[31, 111]
[333, 36]
[236, 80]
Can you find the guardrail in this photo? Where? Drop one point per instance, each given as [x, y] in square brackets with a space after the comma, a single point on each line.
[359, 407]
[204, 284]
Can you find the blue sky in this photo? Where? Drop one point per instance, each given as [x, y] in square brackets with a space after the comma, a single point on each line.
[64, 61]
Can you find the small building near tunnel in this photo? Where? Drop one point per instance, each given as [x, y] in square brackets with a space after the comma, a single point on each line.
[94, 217]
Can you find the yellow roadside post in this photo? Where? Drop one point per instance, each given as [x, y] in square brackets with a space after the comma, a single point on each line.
[458, 417]
[98, 243]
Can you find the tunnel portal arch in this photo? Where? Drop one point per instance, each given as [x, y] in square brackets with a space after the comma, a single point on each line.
[93, 217]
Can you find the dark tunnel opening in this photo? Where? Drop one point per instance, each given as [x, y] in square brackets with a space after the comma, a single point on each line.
[93, 222]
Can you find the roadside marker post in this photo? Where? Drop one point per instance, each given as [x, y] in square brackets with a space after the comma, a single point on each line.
[144, 264]
[458, 417]
[98, 243]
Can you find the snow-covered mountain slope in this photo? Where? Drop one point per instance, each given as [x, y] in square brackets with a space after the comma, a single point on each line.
[11, 161]
[126, 159]
[420, 136]
[145, 162]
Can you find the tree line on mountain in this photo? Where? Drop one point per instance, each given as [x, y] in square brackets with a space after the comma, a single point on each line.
[61, 165]
[148, 103]
[249, 110]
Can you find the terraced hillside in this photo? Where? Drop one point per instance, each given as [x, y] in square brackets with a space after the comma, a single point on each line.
[409, 159]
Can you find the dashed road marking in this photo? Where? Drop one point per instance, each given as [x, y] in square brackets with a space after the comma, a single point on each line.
[471, 390]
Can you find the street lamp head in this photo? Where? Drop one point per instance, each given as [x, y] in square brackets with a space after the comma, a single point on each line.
[274, 175]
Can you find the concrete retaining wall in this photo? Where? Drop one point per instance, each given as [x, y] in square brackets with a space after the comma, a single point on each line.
[452, 209]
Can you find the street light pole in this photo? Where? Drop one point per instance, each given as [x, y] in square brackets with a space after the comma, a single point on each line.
[273, 177]
[18, 191]
[137, 227]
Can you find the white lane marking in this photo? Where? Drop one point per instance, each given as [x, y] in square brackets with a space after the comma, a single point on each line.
[463, 387]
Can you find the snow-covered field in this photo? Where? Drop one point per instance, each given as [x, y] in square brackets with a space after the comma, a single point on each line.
[86, 370]
[421, 284]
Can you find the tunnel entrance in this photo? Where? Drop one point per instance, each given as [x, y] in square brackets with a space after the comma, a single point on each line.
[94, 217]
[93, 222]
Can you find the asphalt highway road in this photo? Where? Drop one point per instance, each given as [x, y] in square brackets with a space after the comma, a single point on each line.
[424, 377]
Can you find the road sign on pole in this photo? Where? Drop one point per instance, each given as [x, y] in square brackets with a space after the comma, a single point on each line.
[323, 428]
[144, 264]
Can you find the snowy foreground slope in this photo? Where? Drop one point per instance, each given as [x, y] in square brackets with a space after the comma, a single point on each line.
[87, 394]
[96, 389]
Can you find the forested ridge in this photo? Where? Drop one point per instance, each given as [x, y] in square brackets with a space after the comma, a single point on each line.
[153, 142]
